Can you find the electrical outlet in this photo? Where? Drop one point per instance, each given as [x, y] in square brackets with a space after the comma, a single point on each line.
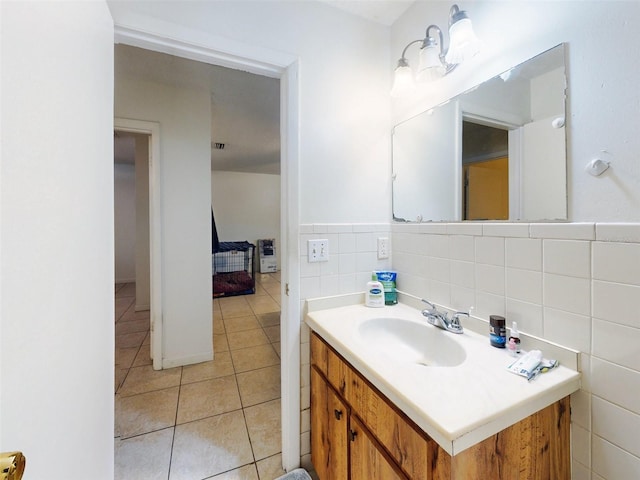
[318, 250]
[383, 247]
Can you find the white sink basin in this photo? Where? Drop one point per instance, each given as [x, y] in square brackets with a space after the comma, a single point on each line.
[405, 341]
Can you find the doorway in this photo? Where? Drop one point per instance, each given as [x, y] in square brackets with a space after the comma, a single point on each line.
[146, 143]
[284, 67]
[485, 172]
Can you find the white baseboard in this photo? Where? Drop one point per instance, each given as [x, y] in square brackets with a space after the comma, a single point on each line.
[190, 360]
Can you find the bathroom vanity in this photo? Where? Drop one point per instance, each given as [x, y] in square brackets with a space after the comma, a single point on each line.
[382, 410]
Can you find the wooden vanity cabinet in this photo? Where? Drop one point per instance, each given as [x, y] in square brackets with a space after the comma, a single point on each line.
[372, 439]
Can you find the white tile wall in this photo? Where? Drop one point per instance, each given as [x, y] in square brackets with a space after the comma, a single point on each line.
[574, 284]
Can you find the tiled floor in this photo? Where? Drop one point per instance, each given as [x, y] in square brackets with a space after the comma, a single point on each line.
[216, 420]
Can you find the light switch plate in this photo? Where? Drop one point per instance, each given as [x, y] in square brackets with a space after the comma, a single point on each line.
[318, 250]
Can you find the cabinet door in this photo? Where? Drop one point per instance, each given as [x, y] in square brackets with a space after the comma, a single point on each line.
[328, 430]
[368, 462]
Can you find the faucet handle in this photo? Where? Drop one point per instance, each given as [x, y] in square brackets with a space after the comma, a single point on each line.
[432, 310]
[455, 318]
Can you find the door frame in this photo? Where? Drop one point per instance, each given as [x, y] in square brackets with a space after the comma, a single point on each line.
[259, 60]
[155, 239]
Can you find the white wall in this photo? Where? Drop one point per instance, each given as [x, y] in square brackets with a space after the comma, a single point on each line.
[185, 126]
[246, 207]
[344, 90]
[574, 284]
[603, 95]
[124, 211]
[56, 243]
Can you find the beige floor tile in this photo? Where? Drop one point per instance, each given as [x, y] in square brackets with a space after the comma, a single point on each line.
[259, 386]
[132, 316]
[276, 347]
[273, 289]
[239, 324]
[260, 290]
[273, 333]
[126, 356]
[145, 412]
[234, 307]
[132, 326]
[130, 340]
[248, 472]
[145, 457]
[146, 379]
[218, 325]
[263, 423]
[264, 304]
[251, 358]
[220, 366]
[220, 344]
[270, 467]
[127, 290]
[200, 451]
[147, 339]
[247, 338]
[143, 357]
[208, 398]
[120, 375]
[269, 319]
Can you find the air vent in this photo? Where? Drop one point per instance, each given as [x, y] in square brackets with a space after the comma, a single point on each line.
[218, 146]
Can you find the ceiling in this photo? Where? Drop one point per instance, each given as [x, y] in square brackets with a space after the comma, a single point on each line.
[245, 108]
[381, 11]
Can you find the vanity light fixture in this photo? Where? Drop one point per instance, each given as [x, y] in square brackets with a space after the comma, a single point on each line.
[436, 62]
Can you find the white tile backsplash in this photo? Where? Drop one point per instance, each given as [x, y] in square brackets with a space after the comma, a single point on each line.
[619, 385]
[570, 231]
[612, 462]
[567, 257]
[581, 444]
[490, 279]
[616, 302]
[528, 316]
[618, 425]
[524, 285]
[463, 274]
[617, 262]
[506, 229]
[347, 243]
[568, 329]
[616, 343]
[618, 232]
[570, 294]
[462, 248]
[490, 250]
[575, 284]
[525, 253]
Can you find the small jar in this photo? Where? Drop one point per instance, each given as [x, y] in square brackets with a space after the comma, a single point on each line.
[497, 331]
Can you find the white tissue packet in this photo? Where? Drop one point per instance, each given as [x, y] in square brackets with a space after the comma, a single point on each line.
[526, 365]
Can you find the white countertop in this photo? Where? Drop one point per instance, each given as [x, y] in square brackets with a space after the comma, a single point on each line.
[456, 406]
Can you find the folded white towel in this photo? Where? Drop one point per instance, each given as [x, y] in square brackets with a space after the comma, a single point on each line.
[297, 474]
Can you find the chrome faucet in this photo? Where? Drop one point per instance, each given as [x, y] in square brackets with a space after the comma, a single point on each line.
[442, 320]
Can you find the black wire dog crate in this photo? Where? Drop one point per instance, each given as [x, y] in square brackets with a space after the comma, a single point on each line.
[234, 269]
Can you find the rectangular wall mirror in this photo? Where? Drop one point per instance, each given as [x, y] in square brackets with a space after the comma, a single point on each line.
[495, 152]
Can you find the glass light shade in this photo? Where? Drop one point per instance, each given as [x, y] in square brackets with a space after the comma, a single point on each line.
[430, 67]
[403, 82]
[463, 43]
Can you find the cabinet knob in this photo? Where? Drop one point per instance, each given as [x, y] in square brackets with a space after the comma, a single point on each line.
[338, 414]
[353, 435]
